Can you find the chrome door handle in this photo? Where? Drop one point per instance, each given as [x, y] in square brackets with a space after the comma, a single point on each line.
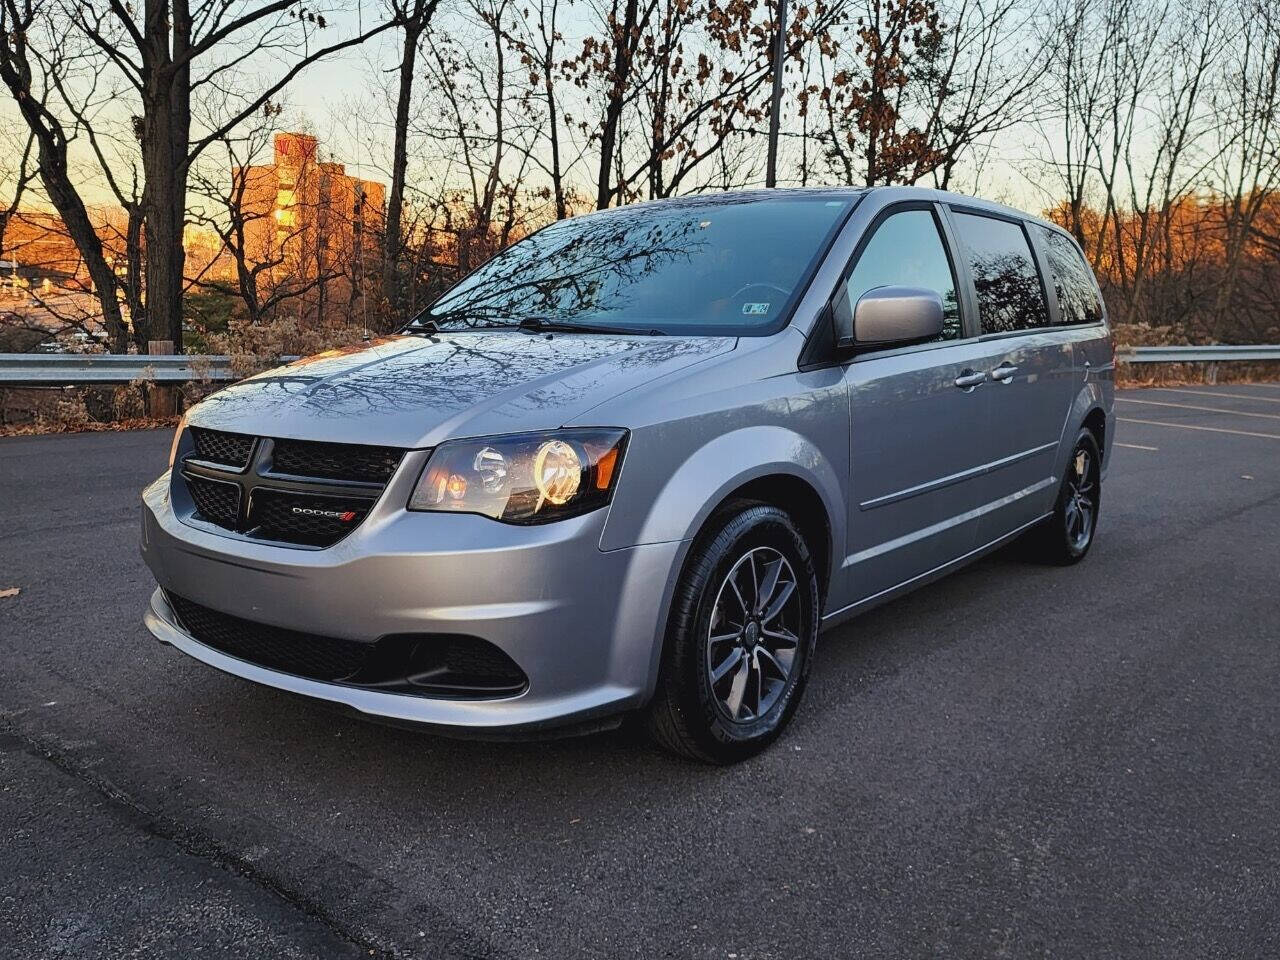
[968, 380]
[1004, 373]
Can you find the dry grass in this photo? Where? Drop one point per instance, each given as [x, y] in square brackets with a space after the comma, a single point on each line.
[46, 426]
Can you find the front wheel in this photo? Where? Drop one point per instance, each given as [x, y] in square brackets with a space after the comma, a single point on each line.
[1066, 536]
[742, 631]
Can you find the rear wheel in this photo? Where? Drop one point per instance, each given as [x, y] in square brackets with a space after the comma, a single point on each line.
[740, 638]
[1067, 535]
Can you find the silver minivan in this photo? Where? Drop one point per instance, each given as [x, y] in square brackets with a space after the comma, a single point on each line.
[633, 465]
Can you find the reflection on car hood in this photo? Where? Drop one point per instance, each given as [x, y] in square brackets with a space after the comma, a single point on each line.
[414, 391]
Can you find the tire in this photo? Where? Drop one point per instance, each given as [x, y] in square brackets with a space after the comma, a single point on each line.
[1066, 536]
[724, 696]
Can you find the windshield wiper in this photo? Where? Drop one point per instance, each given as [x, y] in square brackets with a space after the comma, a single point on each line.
[432, 325]
[533, 324]
[543, 325]
[422, 325]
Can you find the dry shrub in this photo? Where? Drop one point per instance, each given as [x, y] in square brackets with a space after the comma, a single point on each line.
[194, 391]
[1183, 374]
[69, 410]
[128, 400]
[1147, 335]
[27, 411]
[254, 347]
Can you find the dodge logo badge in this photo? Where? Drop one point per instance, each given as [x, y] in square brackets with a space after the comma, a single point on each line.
[346, 516]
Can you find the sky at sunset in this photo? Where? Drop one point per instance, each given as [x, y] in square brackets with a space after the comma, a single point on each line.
[338, 99]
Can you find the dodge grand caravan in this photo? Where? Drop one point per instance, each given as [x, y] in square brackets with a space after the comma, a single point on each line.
[635, 463]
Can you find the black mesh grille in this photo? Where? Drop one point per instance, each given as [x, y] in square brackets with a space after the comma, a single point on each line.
[216, 501]
[302, 654]
[429, 665]
[218, 446]
[304, 518]
[335, 461]
[471, 661]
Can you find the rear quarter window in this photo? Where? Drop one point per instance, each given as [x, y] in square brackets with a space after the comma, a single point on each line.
[1078, 300]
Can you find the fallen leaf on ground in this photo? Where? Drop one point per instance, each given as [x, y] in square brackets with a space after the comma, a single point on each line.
[9, 592]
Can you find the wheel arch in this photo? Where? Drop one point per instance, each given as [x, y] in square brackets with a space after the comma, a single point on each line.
[765, 463]
[1096, 422]
[798, 498]
[1089, 409]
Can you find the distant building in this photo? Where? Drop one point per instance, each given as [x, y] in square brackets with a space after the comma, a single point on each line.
[38, 245]
[308, 218]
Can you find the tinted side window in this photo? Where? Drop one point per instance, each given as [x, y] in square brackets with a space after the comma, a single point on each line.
[907, 251]
[1072, 280]
[1010, 295]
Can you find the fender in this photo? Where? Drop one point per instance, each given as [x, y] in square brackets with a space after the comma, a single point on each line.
[680, 504]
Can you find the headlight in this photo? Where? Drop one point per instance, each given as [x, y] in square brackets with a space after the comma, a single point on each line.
[523, 478]
[177, 435]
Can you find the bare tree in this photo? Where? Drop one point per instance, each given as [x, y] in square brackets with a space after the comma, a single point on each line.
[979, 77]
[606, 66]
[172, 49]
[538, 40]
[874, 86]
[413, 16]
[485, 137]
[32, 76]
[1249, 105]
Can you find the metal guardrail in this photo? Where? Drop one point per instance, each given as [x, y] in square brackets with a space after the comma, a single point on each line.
[89, 369]
[1214, 354]
[76, 369]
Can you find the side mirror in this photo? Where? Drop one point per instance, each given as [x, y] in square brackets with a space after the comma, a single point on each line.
[888, 315]
[897, 314]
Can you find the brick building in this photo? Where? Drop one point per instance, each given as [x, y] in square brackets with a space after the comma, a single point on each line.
[308, 218]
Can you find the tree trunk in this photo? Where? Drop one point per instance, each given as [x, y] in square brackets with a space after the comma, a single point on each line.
[553, 121]
[392, 241]
[622, 41]
[165, 141]
[134, 282]
[65, 199]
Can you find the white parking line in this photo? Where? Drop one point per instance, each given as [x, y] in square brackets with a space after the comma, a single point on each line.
[1135, 446]
[1189, 426]
[1192, 406]
[1229, 396]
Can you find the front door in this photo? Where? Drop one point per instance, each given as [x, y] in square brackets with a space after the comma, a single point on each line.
[917, 418]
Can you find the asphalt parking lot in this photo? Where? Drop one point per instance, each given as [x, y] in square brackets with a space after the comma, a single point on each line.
[1018, 761]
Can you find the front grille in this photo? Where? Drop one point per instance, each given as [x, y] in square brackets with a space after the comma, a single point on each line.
[216, 500]
[301, 492]
[218, 446]
[302, 654]
[429, 665]
[303, 517]
[335, 461]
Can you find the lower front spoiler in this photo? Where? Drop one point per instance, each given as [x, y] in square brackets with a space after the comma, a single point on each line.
[512, 718]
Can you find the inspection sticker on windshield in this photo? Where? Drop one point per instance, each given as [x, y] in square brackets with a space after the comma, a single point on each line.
[755, 309]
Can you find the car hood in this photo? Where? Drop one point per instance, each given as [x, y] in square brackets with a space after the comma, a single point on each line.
[415, 391]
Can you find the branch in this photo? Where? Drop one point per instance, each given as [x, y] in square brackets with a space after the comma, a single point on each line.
[200, 145]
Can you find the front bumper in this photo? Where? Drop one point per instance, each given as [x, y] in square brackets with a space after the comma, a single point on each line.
[585, 625]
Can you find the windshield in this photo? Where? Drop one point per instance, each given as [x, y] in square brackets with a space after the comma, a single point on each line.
[734, 266]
